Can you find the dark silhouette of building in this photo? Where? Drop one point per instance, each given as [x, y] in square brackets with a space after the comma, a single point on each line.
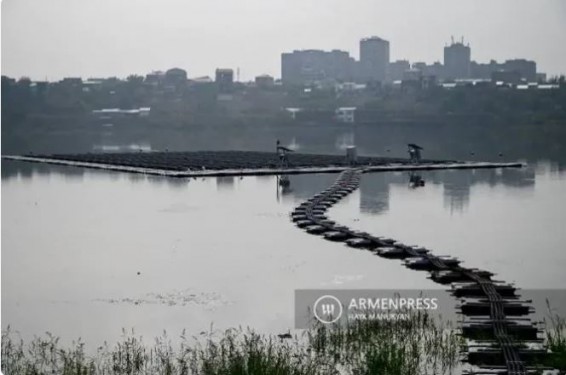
[511, 71]
[264, 81]
[155, 78]
[374, 59]
[175, 76]
[506, 76]
[484, 71]
[396, 69]
[435, 70]
[307, 66]
[224, 79]
[457, 60]
[527, 69]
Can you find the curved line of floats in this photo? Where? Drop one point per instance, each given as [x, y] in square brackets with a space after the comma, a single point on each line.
[311, 216]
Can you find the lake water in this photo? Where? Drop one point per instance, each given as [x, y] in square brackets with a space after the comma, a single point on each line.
[86, 253]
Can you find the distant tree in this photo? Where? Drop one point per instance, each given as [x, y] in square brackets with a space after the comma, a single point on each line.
[24, 82]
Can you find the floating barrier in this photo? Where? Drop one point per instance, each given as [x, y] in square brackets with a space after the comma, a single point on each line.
[359, 242]
[336, 236]
[316, 229]
[394, 252]
[480, 356]
[482, 307]
[517, 329]
[450, 276]
[422, 263]
[475, 290]
[303, 223]
[492, 306]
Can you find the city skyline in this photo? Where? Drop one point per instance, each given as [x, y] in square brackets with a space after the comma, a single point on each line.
[117, 38]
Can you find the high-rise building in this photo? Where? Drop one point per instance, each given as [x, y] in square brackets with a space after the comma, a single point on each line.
[457, 60]
[374, 59]
[224, 79]
[300, 67]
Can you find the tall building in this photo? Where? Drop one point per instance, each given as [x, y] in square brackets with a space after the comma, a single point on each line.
[457, 60]
[396, 69]
[224, 79]
[374, 59]
[300, 67]
[526, 68]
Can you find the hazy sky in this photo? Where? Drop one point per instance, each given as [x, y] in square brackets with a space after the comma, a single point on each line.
[56, 38]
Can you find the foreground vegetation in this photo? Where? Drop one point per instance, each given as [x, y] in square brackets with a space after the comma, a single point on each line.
[556, 342]
[416, 346]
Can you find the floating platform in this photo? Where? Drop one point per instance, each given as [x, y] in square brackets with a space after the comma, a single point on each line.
[491, 310]
[450, 276]
[482, 307]
[517, 329]
[480, 356]
[475, 290]
[360, 243]
[394, 252]
[427, 264]
[244, 163]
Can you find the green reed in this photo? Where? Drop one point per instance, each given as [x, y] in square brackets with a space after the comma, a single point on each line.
[556, 340]
[419, 345]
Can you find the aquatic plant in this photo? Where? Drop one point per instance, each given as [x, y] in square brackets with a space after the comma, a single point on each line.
[555, 336]
[418, 345]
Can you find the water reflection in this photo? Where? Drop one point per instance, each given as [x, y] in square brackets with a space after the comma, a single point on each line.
[137, 178]
[225, 183]
[374, 192]
[375, 188]
[415, 180]
[177, 183]
[28, 171]
[24, 170]
[283, 187]
[305, 186]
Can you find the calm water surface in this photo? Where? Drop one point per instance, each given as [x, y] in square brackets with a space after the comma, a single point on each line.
[86, 253]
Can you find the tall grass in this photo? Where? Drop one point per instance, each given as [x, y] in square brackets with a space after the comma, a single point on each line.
[416, 346]
[556, 340]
